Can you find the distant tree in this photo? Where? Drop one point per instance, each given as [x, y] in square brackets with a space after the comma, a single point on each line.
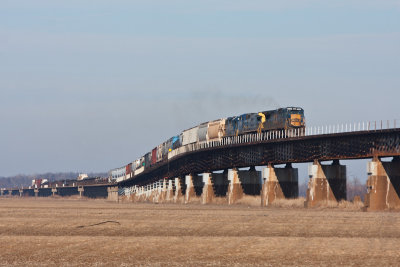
[303, 188]
[355, 188]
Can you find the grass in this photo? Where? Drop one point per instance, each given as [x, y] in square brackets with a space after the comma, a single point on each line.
[71, 232]
[289, 203]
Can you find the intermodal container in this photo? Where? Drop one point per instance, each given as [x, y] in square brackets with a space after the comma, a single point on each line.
[159, 152]
[128, 171]
[147, 160]
[38, 182]
[154, 156]
[176, 142]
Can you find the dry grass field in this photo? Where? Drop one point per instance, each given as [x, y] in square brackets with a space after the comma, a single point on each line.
[60, 232]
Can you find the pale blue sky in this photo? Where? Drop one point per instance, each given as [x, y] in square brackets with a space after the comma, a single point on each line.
[91, 85]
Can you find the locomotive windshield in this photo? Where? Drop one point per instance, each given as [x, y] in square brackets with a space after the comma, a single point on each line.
[295, 110]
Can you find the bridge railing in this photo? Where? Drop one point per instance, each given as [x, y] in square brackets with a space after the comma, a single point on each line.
[277, 135]
[153, 190]
[353, 127]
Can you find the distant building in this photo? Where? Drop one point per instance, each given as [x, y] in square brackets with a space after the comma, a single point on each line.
[82, 176]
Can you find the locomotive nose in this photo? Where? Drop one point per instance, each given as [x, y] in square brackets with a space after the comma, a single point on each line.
[295, 120]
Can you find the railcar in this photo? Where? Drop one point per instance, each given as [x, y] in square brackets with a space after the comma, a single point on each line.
[190, 136]
[159, 152]
[128, 171]
[154, 156]
[147, 160]
[203, 132]
[176, 142]
[118, 174]
[216, 129]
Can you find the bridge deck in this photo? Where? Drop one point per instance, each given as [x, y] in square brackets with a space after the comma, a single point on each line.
[254, 150]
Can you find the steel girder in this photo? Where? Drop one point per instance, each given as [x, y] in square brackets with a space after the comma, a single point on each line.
[352, 145]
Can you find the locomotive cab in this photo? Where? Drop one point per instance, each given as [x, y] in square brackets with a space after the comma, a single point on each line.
[295, 117]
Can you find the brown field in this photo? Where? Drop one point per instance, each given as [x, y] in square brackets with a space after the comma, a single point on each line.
[60, 232]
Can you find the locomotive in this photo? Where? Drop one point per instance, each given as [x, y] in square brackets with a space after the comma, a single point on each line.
[272, 120]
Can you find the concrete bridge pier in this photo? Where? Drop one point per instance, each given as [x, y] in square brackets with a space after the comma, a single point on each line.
[178, 190]
[163, 190]
[208, 191]
[147, 192]
[81, 191]
[327, 184]
[160, 191]
[112, 193]
[279, 183]
[189, 188]
[235, 190]
[153, 193]
[1, 192]
[139, 194]
[36, 191]
[170, 191]
[53, 191]
[133, 194]
[194, 187]
[383, 185]
[143, 197]
[21, 192]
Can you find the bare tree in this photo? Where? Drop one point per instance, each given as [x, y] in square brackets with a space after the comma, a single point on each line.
[355, 188]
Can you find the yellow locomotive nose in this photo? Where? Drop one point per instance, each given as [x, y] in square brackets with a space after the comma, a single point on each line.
[295, 120]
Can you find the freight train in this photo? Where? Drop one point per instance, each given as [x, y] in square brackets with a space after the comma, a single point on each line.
[279, 119]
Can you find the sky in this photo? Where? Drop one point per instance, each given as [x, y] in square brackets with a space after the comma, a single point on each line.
[88, 86]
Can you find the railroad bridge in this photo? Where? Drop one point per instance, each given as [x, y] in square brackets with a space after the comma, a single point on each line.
[87, 190]
[219, 162]
[211, 170]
